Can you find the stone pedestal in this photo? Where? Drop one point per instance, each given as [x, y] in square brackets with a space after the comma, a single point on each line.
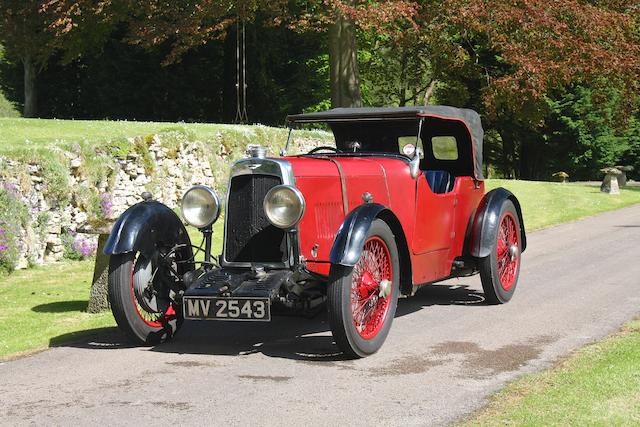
[610, 181]
[99, 295]
[98, 298]
[561, 177]
[622, 178]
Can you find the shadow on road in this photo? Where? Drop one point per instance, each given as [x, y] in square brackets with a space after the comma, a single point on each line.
[286, 337]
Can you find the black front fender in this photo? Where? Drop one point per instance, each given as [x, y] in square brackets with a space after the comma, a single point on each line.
[485, 223]
[143, 227]
[347, 247]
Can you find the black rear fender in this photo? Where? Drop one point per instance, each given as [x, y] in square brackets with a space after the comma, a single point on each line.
[486, 222]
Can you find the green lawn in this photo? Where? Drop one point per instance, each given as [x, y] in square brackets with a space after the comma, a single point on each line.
[548, 203]
[6, 108]
[42, 303]
[20, 135]
[598, 386]
[15, 131]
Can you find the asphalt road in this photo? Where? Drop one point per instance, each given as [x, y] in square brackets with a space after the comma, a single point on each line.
[446, 353]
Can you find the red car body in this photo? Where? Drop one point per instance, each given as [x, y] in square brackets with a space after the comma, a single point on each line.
[434, 225]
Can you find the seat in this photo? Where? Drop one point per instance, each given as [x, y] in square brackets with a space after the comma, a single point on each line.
[440, 181]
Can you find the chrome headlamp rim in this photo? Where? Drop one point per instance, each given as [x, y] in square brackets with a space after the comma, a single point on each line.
[299, 199]
[215, 199]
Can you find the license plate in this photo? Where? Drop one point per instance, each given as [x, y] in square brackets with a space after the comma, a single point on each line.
[213, 308]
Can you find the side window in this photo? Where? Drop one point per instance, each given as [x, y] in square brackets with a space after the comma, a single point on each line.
[445, 147]
[407, 145]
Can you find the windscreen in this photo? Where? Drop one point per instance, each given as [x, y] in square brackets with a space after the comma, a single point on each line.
[382, 136]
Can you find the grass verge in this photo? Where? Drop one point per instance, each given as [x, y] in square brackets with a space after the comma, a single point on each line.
[19, 135]
[548, 203]
[598, 385]
[40, 304]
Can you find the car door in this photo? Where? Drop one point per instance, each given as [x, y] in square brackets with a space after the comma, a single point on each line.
[433, 232]
[434, 219]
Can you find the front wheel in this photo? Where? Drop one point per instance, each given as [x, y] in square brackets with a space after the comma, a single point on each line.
[499, 270]
[142, 300]
[362, 299]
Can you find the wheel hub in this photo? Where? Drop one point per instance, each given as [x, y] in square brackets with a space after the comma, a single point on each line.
[143, 286]
[367, 285]
[513, 252]
[385, 288]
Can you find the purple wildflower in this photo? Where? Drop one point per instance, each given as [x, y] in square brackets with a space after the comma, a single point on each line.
[106, 205]
[83, 247]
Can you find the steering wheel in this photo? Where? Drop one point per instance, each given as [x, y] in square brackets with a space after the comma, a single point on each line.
[324, 147]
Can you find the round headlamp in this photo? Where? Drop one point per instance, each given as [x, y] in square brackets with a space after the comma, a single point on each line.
[284, 206]
[200, 206]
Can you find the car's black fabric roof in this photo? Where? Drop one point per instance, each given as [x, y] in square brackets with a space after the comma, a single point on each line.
[470, 118]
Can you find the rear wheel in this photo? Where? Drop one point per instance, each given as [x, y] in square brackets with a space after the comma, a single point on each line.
[362, 299]
[142, 294]
[500, 270]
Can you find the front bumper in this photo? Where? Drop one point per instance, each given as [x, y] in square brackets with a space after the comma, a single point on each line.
[241, 283]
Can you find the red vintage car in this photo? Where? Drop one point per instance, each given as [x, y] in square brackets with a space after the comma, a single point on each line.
[397, 204]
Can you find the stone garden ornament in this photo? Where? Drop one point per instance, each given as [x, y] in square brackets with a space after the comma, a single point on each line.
[610, 181]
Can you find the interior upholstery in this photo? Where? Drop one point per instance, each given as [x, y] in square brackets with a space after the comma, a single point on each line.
[440, 181]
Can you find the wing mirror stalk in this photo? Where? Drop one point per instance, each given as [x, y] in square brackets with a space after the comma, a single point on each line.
[414, 164]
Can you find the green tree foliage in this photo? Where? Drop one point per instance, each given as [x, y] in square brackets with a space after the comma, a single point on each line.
[584, 132]
[25, 33]
[124, 81]
[632, 156]
[28, 32]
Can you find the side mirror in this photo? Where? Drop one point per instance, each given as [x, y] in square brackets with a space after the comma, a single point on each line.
[414, 164]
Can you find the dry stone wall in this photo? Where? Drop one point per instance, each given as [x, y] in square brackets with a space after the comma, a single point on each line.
[43, 238]
[166, 169]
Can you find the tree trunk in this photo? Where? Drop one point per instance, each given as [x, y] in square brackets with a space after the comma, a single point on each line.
[429, 92]
[509, 163]
[30, 89]
[343, 64]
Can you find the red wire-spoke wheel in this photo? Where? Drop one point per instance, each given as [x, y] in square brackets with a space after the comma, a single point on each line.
[155, 310]
[507, 251]
[371, 288]
[362, 299]
[142, 295]
[499, 271]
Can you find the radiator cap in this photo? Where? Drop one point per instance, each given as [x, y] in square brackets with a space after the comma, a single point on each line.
[256, 151]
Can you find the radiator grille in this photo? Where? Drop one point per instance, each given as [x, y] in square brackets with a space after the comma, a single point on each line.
[250, 237]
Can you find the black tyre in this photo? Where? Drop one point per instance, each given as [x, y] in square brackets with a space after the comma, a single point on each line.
[499, 270]
[362, 300]
[141, 299]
